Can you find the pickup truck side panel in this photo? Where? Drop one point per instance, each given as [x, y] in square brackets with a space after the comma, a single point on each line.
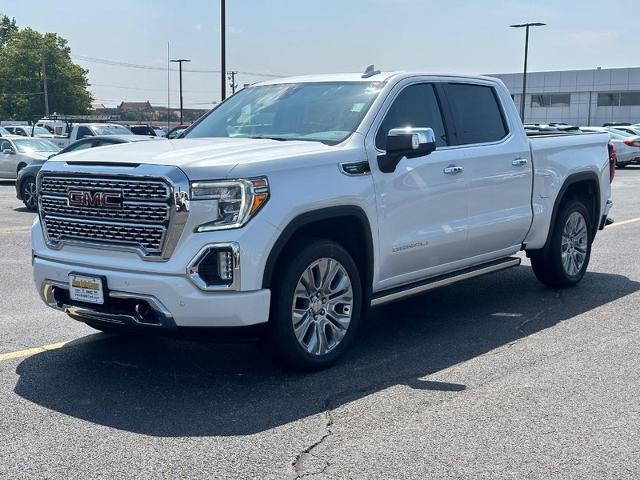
[554, 167]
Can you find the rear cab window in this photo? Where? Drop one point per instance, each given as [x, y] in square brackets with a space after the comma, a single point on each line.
[477, 113]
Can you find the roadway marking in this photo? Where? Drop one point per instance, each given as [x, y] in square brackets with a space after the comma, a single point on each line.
[624, 222]
[31, 351]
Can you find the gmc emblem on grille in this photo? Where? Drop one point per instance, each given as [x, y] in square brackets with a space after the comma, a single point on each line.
[86, 198]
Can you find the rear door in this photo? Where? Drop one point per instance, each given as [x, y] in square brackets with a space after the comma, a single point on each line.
[498, 162]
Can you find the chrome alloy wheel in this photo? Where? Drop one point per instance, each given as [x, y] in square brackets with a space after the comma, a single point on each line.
[574, 245]
[30, 195]
[322, 306]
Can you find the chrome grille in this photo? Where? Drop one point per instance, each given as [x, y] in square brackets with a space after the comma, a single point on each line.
[148, 237]
[131, 211]
[141, 223]
[131, 189]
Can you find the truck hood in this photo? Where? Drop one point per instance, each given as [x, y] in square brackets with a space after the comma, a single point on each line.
[201, 157]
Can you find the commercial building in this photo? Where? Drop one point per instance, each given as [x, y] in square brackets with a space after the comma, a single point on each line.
[578, 97]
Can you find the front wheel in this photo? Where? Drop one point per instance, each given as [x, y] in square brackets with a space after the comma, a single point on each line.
[29, 193]
[567, 257]
[316, 305]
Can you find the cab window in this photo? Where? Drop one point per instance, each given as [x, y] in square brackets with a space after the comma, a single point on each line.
[416, 106]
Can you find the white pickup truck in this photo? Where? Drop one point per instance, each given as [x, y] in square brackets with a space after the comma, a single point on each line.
[297, 204]
[84, 130]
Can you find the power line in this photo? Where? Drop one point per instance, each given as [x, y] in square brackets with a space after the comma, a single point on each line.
[147, 89]
[116, 63]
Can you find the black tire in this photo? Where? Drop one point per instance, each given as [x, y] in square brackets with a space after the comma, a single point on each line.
[283, 341]
[549, 267]
[28, 193]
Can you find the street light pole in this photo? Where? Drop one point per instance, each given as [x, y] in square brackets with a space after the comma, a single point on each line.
[223, 53]
[526, 55]
[180, 61]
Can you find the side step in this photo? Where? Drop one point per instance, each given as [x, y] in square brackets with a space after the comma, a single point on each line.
[415, 288]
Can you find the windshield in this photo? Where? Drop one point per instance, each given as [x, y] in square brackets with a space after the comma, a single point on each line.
[4, 131]
[622, 133]
[111, 130]
[30, 145]
[37, 131]
[327, 112]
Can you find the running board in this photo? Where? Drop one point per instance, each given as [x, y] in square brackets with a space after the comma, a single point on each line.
[415, 288]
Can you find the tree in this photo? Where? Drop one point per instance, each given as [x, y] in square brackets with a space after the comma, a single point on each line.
[24, 56]
[8, 28]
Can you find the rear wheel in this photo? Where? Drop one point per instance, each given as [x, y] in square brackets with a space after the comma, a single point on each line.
[567, 257]
[29, 193]
[316, 306]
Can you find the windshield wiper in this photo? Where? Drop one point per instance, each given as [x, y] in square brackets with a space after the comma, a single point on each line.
[279, 139]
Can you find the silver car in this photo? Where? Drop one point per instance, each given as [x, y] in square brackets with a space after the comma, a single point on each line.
[627, 145]
[18, 152]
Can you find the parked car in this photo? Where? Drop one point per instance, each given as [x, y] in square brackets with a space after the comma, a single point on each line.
[27, 131]
[26, 180]
[298, 204]
[631, 130]
[175, 132]
[4, 132]
[84, 130]
[18, 152]
[160, 132]
[142, 130]
[627, 146]
[616, 124]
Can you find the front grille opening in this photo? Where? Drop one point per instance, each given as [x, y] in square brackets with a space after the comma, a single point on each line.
[141, 222]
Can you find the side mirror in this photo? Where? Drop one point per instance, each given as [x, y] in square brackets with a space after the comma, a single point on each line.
[406, 142]
[8, 151]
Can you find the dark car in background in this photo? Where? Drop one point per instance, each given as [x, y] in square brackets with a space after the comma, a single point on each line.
[26, 181]
[142, 130]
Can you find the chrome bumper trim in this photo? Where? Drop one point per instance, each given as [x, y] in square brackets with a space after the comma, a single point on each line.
[47, 292]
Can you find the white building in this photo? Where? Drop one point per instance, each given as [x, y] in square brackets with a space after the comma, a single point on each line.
[578, 97]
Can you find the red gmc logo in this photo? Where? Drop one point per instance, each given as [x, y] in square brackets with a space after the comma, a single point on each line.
[85, 198]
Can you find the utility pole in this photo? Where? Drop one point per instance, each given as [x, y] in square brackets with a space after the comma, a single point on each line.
[223, 59]
[526, 54]
[46, 90]
[168, 87]
[232, 81]
[180, 61]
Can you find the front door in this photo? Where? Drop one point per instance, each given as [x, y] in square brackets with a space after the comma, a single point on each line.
[422, 205]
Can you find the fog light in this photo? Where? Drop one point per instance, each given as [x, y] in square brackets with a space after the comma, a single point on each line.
[216, 267]
[225, 265]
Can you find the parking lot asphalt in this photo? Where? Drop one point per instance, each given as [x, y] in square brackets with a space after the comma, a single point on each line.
[498, 377]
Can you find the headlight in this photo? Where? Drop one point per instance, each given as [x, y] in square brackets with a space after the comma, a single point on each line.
[236, 201]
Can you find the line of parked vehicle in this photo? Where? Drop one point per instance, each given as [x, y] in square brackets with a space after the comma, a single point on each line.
[624, 137]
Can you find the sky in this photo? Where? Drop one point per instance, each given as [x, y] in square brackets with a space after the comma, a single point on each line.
[294, 37]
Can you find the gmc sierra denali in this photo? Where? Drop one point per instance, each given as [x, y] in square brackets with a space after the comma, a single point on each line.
[298, 204]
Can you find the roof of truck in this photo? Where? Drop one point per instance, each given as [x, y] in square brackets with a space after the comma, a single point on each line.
[357, 77]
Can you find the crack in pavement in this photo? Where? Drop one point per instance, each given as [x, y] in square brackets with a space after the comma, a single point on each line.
[297, 464]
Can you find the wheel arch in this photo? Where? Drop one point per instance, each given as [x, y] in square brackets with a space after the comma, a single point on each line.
[329, 223]
[578, 185]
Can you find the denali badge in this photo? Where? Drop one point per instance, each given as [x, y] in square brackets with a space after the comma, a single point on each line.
[86, 198]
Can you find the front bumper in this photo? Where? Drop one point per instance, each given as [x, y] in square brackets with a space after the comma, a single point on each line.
[174, 300]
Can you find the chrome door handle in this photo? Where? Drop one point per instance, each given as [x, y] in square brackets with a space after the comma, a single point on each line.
[519, 162]
[453, 169]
